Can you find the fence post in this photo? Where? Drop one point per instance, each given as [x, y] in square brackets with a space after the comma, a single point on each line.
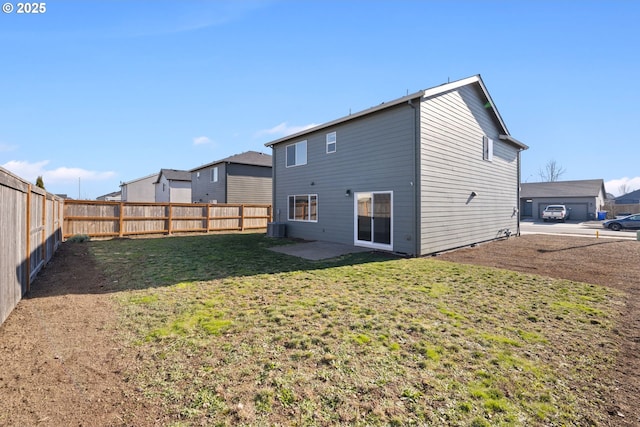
[241, 217]
[44, 228]
[207, 216]
[121, 220]
[28, 245]
[170, 219]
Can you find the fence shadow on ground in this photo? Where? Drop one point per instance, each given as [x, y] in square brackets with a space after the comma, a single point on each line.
[570, 248]
[118, 265]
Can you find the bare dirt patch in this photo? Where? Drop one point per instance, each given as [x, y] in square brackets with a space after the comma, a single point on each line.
[63, 362]
[606, 262]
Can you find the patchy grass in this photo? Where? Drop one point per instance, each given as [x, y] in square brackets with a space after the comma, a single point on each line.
[230, 333]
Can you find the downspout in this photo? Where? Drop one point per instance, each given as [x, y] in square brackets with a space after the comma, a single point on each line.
[226, 182]
[274, 218]
[518, 204]
[416, 154]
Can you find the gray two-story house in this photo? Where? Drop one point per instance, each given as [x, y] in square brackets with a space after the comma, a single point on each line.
[425, 173]
[242, 178]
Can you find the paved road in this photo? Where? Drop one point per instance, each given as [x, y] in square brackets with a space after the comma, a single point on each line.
[574, 228]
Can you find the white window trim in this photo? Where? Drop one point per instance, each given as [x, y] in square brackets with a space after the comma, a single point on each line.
[332, 140]
[308, 196]
[214, 174]
[286, 154]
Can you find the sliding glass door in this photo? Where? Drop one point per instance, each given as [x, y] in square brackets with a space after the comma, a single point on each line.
[373, 219]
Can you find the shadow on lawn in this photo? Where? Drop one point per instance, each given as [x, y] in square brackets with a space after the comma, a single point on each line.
[116, 265]
[569, 248]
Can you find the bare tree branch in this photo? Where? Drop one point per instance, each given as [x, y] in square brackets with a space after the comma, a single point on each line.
[551, 172]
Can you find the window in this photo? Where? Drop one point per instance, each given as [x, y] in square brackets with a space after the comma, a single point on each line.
[331, 142]
[214, 174]
[303, 207]
[297, 154]
[487, 149]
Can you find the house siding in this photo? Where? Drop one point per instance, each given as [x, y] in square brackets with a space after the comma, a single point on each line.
[248, 184]
[205, 191]
[162, 188]
[452, 167]
[373, 153]
[141, 190]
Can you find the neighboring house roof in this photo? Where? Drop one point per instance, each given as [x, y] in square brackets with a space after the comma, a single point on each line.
[138, 179]
[174, 175]
[628, 199]
[254, 158]
[113, 194]
[583, 188]
[426, 93]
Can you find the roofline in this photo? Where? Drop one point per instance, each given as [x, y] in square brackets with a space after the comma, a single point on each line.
[221, 161]
[349, 117]
[425, 93]
[138, 179]
[514, 141]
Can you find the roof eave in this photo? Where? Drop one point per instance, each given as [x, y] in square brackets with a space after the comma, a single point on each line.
[371, 110]
[514, 141]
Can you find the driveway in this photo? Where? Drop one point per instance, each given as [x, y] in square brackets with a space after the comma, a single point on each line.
[574, 228]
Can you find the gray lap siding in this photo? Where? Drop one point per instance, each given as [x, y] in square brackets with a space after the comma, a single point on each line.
[451, 160]
[373, 153]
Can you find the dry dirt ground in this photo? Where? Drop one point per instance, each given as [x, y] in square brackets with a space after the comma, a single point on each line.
[62, 361]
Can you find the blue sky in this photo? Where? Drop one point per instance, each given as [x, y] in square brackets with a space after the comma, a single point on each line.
[97, 92]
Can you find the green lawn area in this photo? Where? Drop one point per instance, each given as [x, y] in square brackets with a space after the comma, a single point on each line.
[230, 333]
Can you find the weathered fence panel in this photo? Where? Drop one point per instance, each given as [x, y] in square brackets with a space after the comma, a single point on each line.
[30, 233]
[119, 219]
[614, 210]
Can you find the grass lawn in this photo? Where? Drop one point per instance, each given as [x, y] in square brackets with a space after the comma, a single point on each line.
[229, 333]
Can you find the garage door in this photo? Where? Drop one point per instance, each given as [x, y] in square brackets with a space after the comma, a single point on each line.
[579, 211]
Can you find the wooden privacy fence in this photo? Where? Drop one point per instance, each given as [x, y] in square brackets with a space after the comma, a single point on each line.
[30, 233]
[119, 219]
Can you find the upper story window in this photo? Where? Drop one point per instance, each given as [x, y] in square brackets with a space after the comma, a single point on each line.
[487, 149]
[214, 174]
[297, 154]
[331, 142]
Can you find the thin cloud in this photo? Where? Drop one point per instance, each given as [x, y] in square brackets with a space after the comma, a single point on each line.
[615, 186]
[283, 129]
[30, 171]
[201, 140]
[6, 147]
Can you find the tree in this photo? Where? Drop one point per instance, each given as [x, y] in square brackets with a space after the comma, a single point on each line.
[624, 189]
[551, 172]
[40, 182]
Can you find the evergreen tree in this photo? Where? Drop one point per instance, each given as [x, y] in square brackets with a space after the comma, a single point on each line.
[40, 182]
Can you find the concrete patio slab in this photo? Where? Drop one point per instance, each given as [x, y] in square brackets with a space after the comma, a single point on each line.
[318, 250]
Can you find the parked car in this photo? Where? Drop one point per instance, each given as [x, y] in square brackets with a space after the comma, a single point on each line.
[556, 212]
[631, 222]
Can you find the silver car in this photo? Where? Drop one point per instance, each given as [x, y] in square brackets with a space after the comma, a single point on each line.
[631, 222]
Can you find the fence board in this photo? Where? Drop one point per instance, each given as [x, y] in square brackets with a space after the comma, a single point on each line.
[30, 233]
[109, 219]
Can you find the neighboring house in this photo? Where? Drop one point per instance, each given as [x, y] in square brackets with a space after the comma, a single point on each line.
[632, 198]
[585, 198]
[243, 178]
[116, 196]
[624, 205]
[139, 190]
[173, 186]
[425, 173]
